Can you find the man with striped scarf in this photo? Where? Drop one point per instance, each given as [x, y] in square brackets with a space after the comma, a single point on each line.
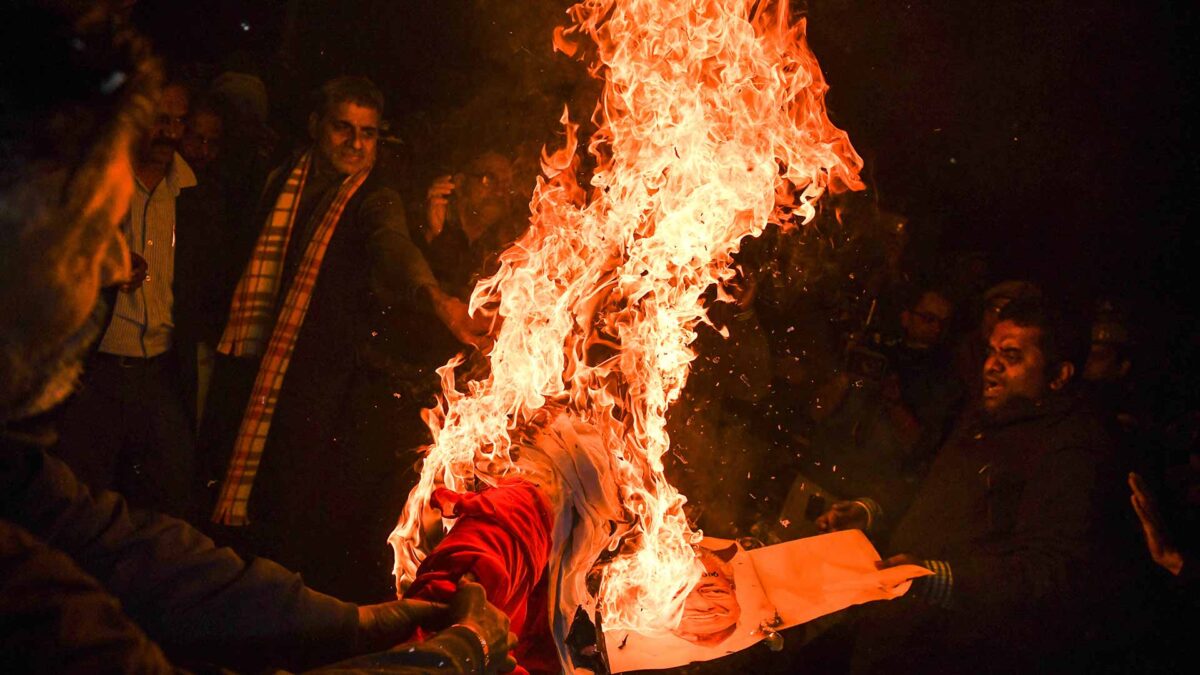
[88, 583]
[315, 433]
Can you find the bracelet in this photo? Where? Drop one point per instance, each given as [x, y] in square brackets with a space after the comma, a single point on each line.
[866, 508]
[482, 642]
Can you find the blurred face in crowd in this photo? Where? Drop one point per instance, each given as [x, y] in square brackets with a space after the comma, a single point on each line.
[1105, 363]
[346, 136]
[484, 189]
[925, 324]
[164, 136]
[201, 139]
[711, 611]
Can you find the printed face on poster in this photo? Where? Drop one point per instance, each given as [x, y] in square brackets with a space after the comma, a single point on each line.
[740, 591]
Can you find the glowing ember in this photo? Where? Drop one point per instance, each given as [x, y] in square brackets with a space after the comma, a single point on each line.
[712, 125]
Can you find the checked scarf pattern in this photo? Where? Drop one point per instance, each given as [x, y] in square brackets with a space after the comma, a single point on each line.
[255, 330]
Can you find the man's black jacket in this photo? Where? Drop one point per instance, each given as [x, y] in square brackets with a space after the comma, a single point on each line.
[87, 585]
[1026, 506]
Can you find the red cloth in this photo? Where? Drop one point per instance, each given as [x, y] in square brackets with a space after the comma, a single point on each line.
[502, 538]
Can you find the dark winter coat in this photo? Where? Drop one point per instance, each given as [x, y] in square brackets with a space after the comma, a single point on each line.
[1027, 509]
[337, 465]
[88, 585]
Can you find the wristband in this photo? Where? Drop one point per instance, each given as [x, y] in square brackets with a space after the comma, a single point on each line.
[866, 508]
[482, 642]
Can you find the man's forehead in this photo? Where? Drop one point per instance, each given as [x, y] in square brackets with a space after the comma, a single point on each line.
[1009, 334]
[349, 112]
[174, 99]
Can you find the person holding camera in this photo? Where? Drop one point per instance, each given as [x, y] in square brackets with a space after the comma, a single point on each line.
[921, 393]
[471, 217]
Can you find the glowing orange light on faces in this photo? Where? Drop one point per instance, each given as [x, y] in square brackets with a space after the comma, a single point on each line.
[712, 126]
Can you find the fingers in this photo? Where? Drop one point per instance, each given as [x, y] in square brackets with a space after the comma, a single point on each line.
[385, 624]
[501, 659]
[829, 520]
[896, 560]
[138, 266]
[469, 599]
[441, 188]
[438, 201]
[506, 663]
[1137, 485]
[425, 612]
[1143, 502]
[1138, 508]
[840, 516]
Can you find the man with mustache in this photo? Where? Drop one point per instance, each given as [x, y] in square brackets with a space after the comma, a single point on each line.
[129, 428]
[1019, 519]
[315, 435]
[86, 583]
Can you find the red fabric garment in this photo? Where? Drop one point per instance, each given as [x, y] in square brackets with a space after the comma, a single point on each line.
[501, 537]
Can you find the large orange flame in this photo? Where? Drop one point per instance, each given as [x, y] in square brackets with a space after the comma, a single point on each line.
[712, 125]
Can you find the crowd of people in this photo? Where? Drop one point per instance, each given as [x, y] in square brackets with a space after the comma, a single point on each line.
[240, 331]
[144, 270]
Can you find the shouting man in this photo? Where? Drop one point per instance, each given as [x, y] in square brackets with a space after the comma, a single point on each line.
[1012, 519]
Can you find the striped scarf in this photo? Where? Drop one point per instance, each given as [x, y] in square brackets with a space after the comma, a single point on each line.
[255, 330]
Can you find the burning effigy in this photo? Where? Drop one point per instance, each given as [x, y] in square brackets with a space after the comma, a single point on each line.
[711, 127]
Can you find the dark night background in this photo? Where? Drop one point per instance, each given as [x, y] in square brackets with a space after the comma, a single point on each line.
[1054, 135]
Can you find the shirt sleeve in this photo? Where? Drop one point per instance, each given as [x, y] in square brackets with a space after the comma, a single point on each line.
[937, 588]
[399, 271]
[196, 600]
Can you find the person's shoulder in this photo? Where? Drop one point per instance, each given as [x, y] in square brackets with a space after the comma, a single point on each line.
[1081, 418]
[1079, 429]
[383, 187]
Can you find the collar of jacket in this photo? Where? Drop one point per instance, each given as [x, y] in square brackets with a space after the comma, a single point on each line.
[1021, 410]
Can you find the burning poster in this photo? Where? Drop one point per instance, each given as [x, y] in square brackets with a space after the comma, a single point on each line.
[744, 596]
[711, 127]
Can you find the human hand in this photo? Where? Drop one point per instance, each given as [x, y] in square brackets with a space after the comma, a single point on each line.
[1161, 550]
[470, 609]
[390, 623]
[467, 329]
[137, 273]
[843, 515]
[437, 201]
[899, 570]
[896, 561]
